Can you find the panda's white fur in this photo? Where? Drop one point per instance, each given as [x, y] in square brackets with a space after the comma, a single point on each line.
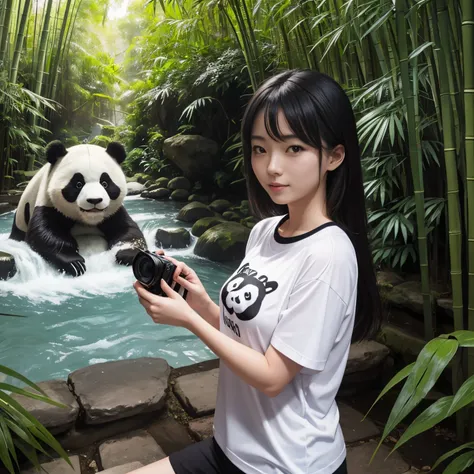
[79, 193]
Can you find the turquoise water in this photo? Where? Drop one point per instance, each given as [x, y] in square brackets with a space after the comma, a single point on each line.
[74, 322]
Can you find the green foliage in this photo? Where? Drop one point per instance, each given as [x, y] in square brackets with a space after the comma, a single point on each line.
[20, 432]
[421, 377]
[101, 140]
[131, 164]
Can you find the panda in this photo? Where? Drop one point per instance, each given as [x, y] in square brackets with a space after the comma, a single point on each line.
[244, 293]
[78, 193]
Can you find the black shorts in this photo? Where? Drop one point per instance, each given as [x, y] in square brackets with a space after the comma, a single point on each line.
[206, 457]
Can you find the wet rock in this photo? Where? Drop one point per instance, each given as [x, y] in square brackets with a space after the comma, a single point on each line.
[198, 198]
[134, 188]
[58, 466]
[220, 205]
[173, 238]
[180, 195]
[204, 224]
[179, 183]
[202, 428]
[7, 266]
[160, 193]
[114, 390]
[232, 216]
[353, 427]
[56, 419]
[388, 279]
[162, 182]
[194, 211]
[223, 242]
[407, 295]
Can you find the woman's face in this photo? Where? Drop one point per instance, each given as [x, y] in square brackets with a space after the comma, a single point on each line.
[289, 170]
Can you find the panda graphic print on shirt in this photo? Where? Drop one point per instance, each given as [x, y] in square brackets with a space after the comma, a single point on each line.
[243, 295]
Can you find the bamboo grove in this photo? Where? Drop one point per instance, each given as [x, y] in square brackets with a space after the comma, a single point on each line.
[407, 66]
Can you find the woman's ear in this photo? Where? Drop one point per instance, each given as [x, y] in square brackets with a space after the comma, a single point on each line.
[336, 157]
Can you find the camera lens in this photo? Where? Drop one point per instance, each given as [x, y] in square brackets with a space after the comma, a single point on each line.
[146, 270]
[146, 267]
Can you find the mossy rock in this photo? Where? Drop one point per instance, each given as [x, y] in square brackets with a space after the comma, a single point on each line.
[149, 183]
[153, 187]
[162, 182]
[180, 195]
[223, 243]
[161, 193]
[7, 266]
[142, 178]
[231, 216]
[245, 204]
[220, 205]
[194, 211]
[204, 224]
[131, 179]
[179, 183]
[198, 198]
[249, 222]
[173, 238]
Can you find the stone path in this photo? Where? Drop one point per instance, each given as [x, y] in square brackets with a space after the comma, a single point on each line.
[121, 423]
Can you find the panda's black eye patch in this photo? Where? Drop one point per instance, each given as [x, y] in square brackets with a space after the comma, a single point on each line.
[73, 188]
[112, 189]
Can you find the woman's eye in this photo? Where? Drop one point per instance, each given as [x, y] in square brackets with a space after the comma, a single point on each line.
[258, 149]
[104, 184]
[79, 185]
[295, 148]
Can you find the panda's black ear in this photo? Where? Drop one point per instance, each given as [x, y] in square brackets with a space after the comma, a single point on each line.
[116, 151]
[54, 151]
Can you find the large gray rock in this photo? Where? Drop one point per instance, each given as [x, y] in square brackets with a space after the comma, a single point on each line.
[160, 193]
[197, 392]
[179, 183]
[7, 266]
[194, 155]
[407, 295]
[56, 419]
[139, 446]
[194, 211]
[365, 355]
[198, 198]
[173, 238]
[58, 466]
[120, 389]
[223, 242]
[204, 224]
[134, 188]
[180, 195]
[358, 458]
[353, 427]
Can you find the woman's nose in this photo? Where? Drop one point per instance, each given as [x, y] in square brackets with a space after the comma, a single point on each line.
[274, 165]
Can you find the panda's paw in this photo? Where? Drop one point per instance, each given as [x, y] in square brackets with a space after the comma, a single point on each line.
[73, 267]
[126, 256]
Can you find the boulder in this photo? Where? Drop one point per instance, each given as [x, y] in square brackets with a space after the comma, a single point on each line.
[179, 183]
[249, 222]
[220, 205]
[194, 211]
[180, 195]
[173, 238]
[204, 224]
[162, 182]
[54, 418]
[153, 186]
[388, 279]
[7, 266]
[231, 216]
[134, 188]
[198, 198]
[406, 295]
[119, 389]
[223, 242]
[194, 155]
[161, 193]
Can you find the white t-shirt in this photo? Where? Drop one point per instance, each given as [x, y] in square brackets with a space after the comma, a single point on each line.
[299, 295]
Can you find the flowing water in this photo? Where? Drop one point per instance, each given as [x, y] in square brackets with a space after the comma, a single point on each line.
[73, 322]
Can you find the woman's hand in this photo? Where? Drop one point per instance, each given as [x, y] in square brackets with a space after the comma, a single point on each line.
[171, 309]
[197, 296]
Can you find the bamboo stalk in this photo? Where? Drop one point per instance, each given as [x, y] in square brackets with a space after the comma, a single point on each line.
[468, 52]
[19, 41]
[416, 169]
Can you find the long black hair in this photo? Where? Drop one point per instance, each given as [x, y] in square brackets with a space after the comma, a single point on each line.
[317, 109]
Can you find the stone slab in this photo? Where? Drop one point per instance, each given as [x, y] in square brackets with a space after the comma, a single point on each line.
[114, 390]
[138, 446]
[353, 427]
[58, 466]
[366, 355]
[197, 392]
[124, 468]
[56, 419]
[202, 427]
[358, 458]
[170, 435]
[82, 436]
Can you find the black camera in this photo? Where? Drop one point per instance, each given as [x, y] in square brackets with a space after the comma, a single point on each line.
[149, 268]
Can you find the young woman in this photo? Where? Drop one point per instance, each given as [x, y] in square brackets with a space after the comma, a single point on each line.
[305, 290]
